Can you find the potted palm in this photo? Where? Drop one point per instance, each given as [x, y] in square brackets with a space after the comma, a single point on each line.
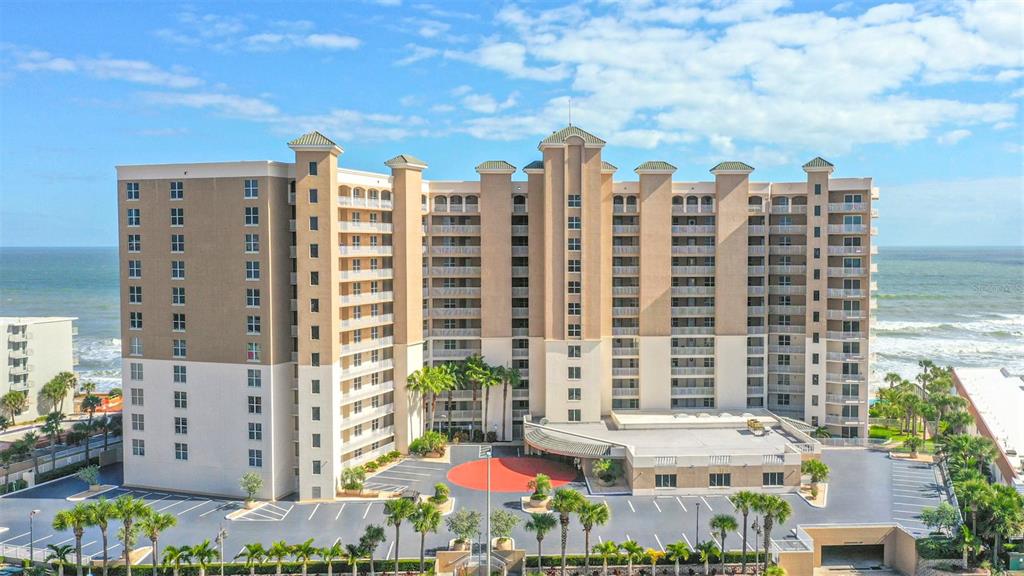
[541, 486]
[503, 523]
[606, 471]
[250, 483]
[91, 476]
[463, 524]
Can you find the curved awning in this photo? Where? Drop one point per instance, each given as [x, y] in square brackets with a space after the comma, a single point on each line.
[565, 445]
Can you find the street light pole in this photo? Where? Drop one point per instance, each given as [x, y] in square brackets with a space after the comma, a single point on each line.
[222, 535]
[489, 450]
[31, 536]
[696, 537]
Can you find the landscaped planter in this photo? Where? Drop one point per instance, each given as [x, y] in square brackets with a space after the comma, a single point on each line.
[95, 487]
[605, 482]
[503, 544]
[459, 545]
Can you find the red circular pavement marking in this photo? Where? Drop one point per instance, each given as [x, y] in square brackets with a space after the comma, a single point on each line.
[509, 474]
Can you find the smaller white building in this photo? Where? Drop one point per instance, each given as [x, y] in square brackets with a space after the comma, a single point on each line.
[34, 350]
[995, 398]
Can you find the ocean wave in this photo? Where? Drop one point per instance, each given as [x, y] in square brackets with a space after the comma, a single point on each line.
[100, 351]
[901, 354]
[999, 326]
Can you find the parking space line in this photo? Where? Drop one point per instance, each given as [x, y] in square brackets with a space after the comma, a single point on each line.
[394, 471]
[211, 511]
[681, 504]
[727, 499]
[420, 467]
[340, 510]
[740, 536]
[630, 502]
[169, 506]
[287, 512]
[367, 512]
[628, 537]
[656, 505]
[658, 540]
[64, 541]
[710, 509]
[15, 538]
[599, 539]
[186, 511]
[687, 540]
[390, 548]
[315, 508]
[159, 499]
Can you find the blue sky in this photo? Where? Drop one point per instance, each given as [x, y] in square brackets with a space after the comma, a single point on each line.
[926, 97]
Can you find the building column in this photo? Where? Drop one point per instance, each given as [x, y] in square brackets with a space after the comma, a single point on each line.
[816, 319]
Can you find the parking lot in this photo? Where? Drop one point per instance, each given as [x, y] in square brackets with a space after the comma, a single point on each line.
[865, 487]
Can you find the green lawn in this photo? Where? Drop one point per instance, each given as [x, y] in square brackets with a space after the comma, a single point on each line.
[895, 435]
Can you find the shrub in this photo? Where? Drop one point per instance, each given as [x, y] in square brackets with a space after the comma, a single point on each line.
[18, 484]
[429, 442]
[90, 475]
[395, 454]
[370, 466]
[353, 478]
[464, 524]
[478, 436]
[492, 436]
[441, 493]
[937, 548]
[250, 483]
[503, 522]
[541, 485]
[605, 469]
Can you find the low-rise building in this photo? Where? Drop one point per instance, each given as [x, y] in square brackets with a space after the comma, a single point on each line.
[34, 350]
[995, 398]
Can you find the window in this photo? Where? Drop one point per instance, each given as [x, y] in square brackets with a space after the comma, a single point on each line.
[252, 325]
[314, 305]
[575, 351]
[574, 372]
[177, 190]
[255, 431]
[314, 278]
[180, 425]
[314, 223]
[317, 467]
[131, 190]
[135, 320]
[180, 374]
[178, 322]
[313, 196]
[252, 270]
[135, 269]
[314, 250]
[137, 396]
[138, 447]
[134, 243]
[314, 413]
[771, 479]
[575, 394]
[177, 216]
[252, 243]
[135, 294]
[136, 346]
[575, 309]
[177, 295]
[817, 189]
[177, 269]
[314, 332]
[574, 223]
[574, 266]
[575, 415]
[573, 244]
[180, 399]
[178, 348]
[255, 405]
[314, 386]
[136, 370]
[139, 422]
[252, 189]
[177, 243]
[252, 216]
[720, 479]
[254, 378]
[315, 359]
[252, 297]
[574, 287]
[574, 330]
[253, 351]
[575, 200]
[134, 218]
[180, 451]
[312, 169]
[315, 441]
[255, 458]
[664, 480]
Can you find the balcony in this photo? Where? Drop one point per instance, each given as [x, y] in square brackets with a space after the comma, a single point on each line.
[371, 203]
[836, 420]
[626, 250]
[693, 229]
[792, 249]
[455, 333]
[788, 269]
[366, 298]
[789, 209]
[786, 289]
[755, 370]
[517, 331]
[625, 392]
[368, 437]
[455, 312]
[756, 310]
[625, 371]
[785, 369]
[520, 271]
[366, 321]
[455, 250]
[678, 209]
[463, 414]
[365, 250]
[367, 368]
[847, 228]
[520, 291]
[786, 309]
[755, 390]
[520, 312]
[755, 208]
[455, 292]
[693, 351]
[755, 350]
[700, 250]
[693, 310]
[846, 357]
[693, 291]
[788, 229]
[519, 209]
[693, 270]
[847, 272]
[626, 230]
[786, 329]
[693, 330]
[846, 293]
[793, 349]
[454, 353]
[841, 399]
[757, 250]
[755, 270]
[622, 351]
[755, 290]
[625, 290]
[847, 336]
[693, 391]
[520, 352]
[847, 250]
[375, 227]
[847, 314]
[520, 250]
[457, 208]
[365, 391]
[520, 230]
[455, 229]
[625, 330]
[520, 393]
[367, 345]
[755, 230]
[453, 271]
[846, 378]
[693, 370]
[622, 209]
[625, 270]
[757, 329]
[365, 415]
[848, 207]
[628, 311]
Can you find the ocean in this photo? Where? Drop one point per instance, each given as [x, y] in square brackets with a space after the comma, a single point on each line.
[955, 306]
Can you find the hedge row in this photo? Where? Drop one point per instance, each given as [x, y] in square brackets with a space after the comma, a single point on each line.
[937, 548]
[595, 560]
[66, 470]
[12, 486]
[237, 569]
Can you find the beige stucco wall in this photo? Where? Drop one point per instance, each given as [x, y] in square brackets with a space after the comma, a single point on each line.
[655, 200]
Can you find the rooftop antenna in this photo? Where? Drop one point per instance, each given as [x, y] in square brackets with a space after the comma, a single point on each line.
[570, 110]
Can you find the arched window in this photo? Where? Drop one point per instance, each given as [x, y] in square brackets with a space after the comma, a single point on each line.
[782, 201]
[519, 200]
[440, 203]
[386, 195]
[357, 193]
[631, 201]
[618, 201]
[373, 194]
[677, 200]
[755, 201]
[455, 201]
[707, 201]
[692, 201]
[471, 203]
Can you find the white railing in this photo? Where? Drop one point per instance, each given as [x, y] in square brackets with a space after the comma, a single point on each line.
[693, 391]
[372, 203]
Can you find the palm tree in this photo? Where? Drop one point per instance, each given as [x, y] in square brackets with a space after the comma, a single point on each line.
[459, 382]
[723, 523]
[744, 502]
[679, 552]
[302, 552]
[6, 458]
[52, 429]
[817, 470]
[426, 518]
[775, 570]
[14, 402]
[540, 524]
[1007, 516]
[91, 403]
[353, 552]
[591, 514]
[395, 511]
[253, 554]
[279, 551]
[175, 555]
[509, 379]
[58, 388]
[654, 556]
[479, 375]
[331, 553]
[76, 519]
[101, 512]
[974, 494]
[372, 537]
[59, 556]
[566, 501]
[773, 509]
[707, 549]
[128, 509]
[152, 525]
[203, 554]
[633, 553]
[28, 443]
[609, 549]
[429, 381]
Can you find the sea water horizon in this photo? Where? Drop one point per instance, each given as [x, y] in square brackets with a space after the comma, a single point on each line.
[959, 306]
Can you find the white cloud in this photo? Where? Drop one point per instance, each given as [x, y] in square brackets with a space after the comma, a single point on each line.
[510, 58]
[886, 13]
[228, 104]
[442, 108]
[460, 90]
[331, 41]
[486, 104]
[952, 137]
[103, 68]
[416, 53]
[226, 33]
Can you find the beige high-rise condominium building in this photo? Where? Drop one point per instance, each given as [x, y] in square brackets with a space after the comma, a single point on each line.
[32, 351]
[272, 311]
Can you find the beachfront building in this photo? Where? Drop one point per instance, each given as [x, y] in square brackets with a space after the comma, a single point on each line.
[32, 351]
[279, 307]
[995, 400]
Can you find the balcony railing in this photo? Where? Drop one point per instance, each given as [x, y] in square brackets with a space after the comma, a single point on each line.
[837, 335]
[786, 329]
[455, 250]
[794, 249]
[455, 332]
[848, 207]
[626, 371]
[693, 391]
[455, 292]
[841, 399]
[693, 270]
[848, 229]
[846, 378]
[847, 250]
[365, 250]
[349, 226]
[625, 290]
[455, 229]
[695, 330]
[454, 353]
[625, 229]
[366, 345]
[625, 311]
[693, 229]
[788, 269]
[692, 351]
[846, 293]
[364, 298]
[786, 309]
[789, 209]
[693, 371]
[677, 209]
[626, 249]
[625, 270]
[454, 271]
[520, 230]
[625, 392]
[455, 312]
[372, 203]
[354, 275]
[693, 310]
[847, 314]
[705, 250]
[788, 229]
[366, 321]
[693, 290]
[621, 351]
[847, 272]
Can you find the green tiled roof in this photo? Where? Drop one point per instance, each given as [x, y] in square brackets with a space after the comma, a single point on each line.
[608, 167]
[405, 159]
[535, 165]
[733, 166]
[495, 165]
[655, 165]
[313, 138]
[564, 444]
[819, 162]
[570, 130]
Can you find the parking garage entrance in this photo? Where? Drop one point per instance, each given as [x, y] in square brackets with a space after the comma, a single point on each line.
[856, 556]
